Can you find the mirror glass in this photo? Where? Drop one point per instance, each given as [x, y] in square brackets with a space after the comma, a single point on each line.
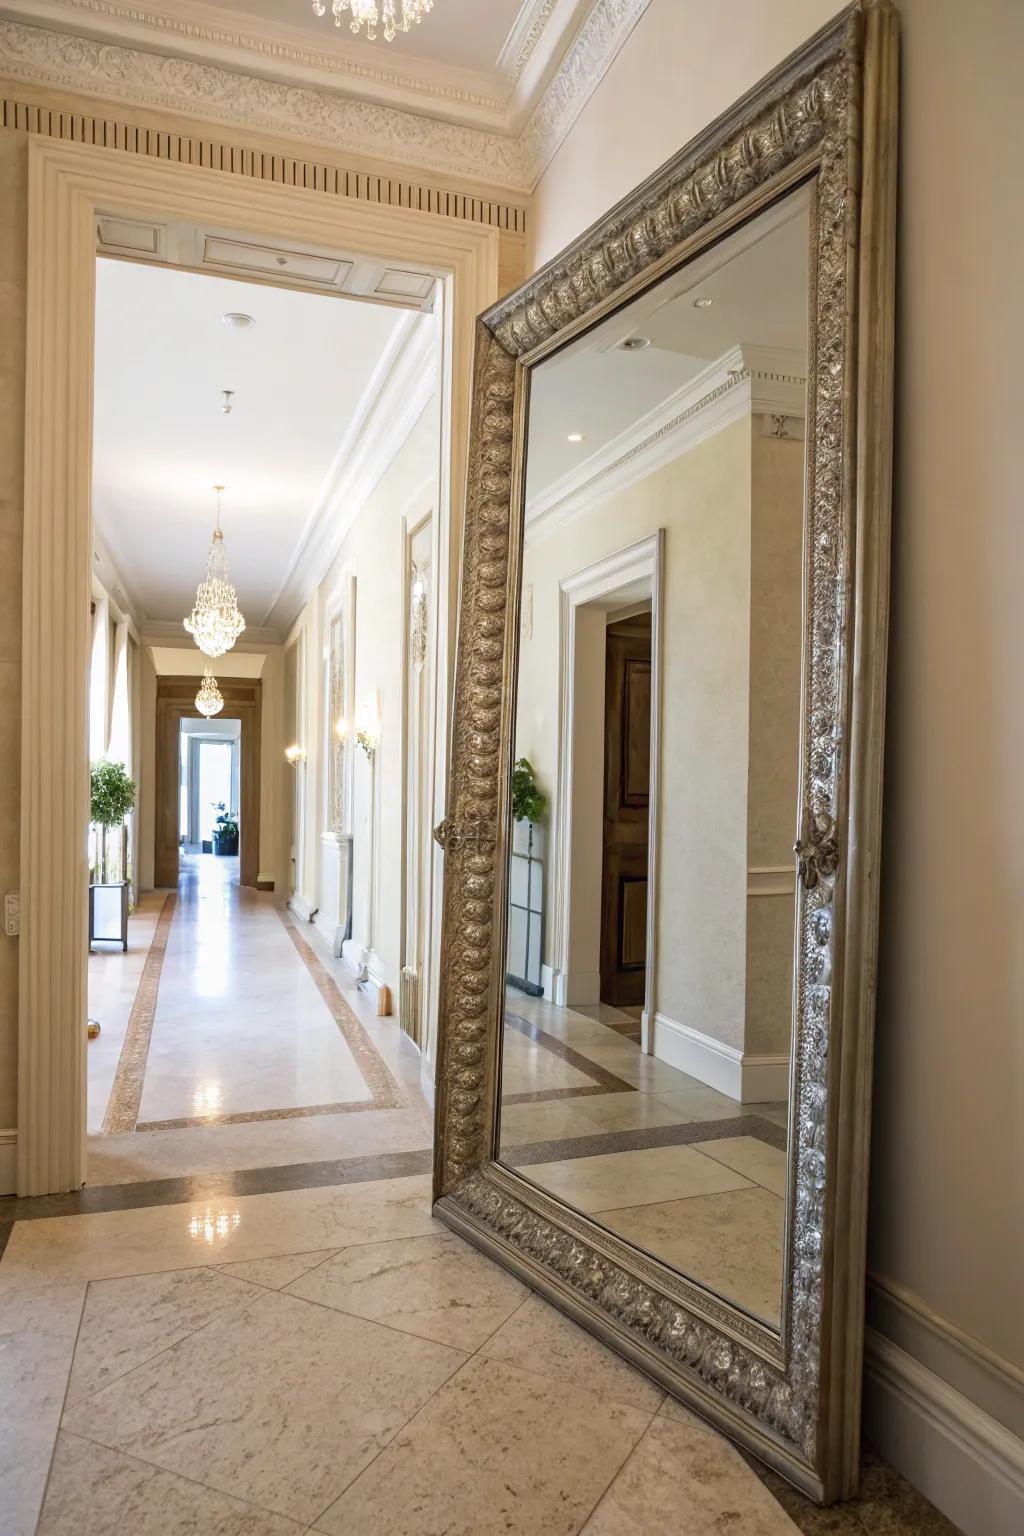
[651, 916]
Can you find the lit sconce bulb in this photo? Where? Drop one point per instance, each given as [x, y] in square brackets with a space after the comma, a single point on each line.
[295, 754]
[419, 587]
[341, 729]
[368, 728]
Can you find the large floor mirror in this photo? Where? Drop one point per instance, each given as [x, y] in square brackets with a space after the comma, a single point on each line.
[661, 852]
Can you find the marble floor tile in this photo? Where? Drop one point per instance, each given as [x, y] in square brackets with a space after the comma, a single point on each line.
[634, 1178]
[435, 1287]
[281, 1403]
[755, 1159]
[274, 1274]
[537, 1337]
[680, 1481]
[698, 1102]
[527, 1067]
[731, 1242]
[135, 1157]
[127, 1322]
[131, 1242]
[626, 1112]
[498, 1450]
[551, 1120]
[94, 1491]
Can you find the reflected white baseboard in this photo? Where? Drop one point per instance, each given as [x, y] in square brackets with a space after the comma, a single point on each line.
[332, 931]
[8, 1162]
[354, 955]
[746, 1078]
[571, 989]
[301, 907]
[967, 1464]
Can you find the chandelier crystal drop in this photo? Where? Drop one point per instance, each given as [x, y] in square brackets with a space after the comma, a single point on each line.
[215, 622]
[396, 15]
[209, 700]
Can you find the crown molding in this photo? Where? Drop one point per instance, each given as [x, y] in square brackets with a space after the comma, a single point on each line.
[361, 108]
[394, 400]
[745, 381]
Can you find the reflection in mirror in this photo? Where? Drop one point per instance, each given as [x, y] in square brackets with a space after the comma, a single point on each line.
[648, 1012]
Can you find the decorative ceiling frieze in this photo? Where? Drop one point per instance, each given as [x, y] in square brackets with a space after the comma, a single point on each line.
[343, 116]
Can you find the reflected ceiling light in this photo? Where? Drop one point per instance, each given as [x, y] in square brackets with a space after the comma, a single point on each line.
[215, 622]
[575, 437]
[239, 321]
[209, 700]
[634, 343]
[396, 15]
[703, 302]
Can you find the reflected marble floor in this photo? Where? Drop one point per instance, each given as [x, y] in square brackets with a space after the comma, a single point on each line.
[691, 1175]
[238, 1041]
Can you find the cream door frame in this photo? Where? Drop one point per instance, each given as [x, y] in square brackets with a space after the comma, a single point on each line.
[68, 185]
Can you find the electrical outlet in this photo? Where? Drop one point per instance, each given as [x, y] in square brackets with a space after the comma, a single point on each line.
[12, 914]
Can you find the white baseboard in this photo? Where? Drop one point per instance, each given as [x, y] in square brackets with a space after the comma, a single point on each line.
[747, 1079]
[967, 1464]
[331, 930]
[301, 907]
[354, 953]
[8, 1162]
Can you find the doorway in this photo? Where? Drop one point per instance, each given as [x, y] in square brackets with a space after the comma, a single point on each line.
[208, 787]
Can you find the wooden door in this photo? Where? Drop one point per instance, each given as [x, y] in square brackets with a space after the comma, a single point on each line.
[627, 783]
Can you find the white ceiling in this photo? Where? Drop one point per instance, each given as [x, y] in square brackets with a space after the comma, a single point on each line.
[163, 355]
[757, 280]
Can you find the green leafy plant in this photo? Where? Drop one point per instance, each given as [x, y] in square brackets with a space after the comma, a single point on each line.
[529, 803]
[112, 793]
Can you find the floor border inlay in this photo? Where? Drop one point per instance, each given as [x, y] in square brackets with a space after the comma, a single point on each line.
[122, 1111]
[565, 1148]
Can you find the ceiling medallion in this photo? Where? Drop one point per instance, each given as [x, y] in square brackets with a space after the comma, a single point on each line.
[397, 15]
[209, 699]
[215, 622]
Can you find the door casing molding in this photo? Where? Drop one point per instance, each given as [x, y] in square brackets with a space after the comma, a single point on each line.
[642, 561]
[68, 185]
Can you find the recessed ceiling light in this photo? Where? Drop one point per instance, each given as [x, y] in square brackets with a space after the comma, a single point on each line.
[239, 321]
[703, 302]
[575, 437]
[635, 343]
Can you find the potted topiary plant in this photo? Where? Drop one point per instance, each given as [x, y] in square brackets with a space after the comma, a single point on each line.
[225, 831]
[112, 796]
[529, 804]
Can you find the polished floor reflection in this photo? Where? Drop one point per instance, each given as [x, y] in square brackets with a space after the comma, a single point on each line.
[684, 1171]
[231, 1038]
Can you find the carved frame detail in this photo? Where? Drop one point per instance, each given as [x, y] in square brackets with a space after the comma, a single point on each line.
[827, 116]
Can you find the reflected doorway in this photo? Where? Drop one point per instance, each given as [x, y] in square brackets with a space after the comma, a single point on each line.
[208, 791]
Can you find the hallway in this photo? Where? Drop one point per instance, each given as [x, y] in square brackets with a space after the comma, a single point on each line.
[231, 1039]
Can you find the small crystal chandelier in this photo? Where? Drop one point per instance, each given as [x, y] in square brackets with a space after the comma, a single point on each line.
[397, 15]
[209, 700]
[215, 622]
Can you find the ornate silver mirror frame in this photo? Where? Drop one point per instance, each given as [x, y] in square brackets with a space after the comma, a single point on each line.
[827, 117]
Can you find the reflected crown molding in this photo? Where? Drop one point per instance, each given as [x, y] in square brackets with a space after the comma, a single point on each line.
[501, 129]
[746, 380]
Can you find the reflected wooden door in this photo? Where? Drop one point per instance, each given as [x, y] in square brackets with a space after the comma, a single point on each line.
[627, 784]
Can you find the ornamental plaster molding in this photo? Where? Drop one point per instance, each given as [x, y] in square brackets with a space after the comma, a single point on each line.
[422, 138]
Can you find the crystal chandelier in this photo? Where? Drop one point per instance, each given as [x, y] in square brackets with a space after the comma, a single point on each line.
[397, 15]
[215, 622]
[209, 700]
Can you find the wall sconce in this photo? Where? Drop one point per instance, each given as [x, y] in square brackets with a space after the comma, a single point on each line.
[295, 754]
[368, 729]
[341, 729]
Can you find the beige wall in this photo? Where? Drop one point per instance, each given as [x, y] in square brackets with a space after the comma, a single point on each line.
[946, 1216]
[702, 500]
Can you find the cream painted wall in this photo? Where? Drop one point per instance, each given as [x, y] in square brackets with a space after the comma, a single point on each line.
[13, 242]
[946, 1217]
[373, 555]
